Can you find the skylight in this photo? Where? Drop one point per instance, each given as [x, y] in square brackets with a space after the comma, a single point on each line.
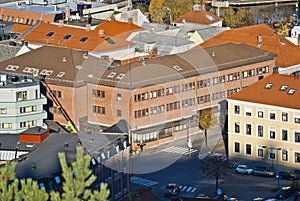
[83, 39]
[269, 86]
[67, 37]
[120, 76]
[46, 72]
[12, 67]
[211, 18]
[283, 87]
[291, 91]
[60, 74]
[29, 70]
[178, 68]
[111, 75]
[50, 34]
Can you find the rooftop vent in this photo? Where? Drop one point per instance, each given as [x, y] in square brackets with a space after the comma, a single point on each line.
[259, 41]
[101, 33]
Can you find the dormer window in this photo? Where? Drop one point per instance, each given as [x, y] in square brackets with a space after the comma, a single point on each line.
[291, 91]
[283, 87]
[269, 86]
[67, 37]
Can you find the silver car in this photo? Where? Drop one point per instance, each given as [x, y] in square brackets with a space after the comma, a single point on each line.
[244, 169]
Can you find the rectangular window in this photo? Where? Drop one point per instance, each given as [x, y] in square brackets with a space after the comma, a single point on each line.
[57, 94]
[119, 113]
[236, 109]
[260, 131]
[6, 125]
[297, 136]
[297, 157]
[248, 110]
[260, 152]
[284, 155]
[236, 147]
[260, 113]
[272, 133]
[119, 97]
[297, 118]
[248, 149]
[248, 129]
[272, 115]
[237, 127]
[272, 154]
[21, 95]
[3, 111]
[284, 135]
[284, 116]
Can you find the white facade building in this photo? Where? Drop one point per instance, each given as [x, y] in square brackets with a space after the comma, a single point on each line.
[21, 104]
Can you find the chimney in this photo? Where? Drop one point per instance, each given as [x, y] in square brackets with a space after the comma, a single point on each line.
[297, 74]
[101, 33]
[87, 27]
[60, 23]
[282, 39]
[68, 12]
[213, 53]
[275, 70]
[259, 41]
[130, 20]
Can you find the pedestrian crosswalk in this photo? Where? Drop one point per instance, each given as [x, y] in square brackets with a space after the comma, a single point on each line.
[142, 181]
[188, 189]
[178, 150]
[202, 155]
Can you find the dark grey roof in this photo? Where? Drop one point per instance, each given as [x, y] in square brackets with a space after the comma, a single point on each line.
[44, 162]
[37, 130]
[11, 141]
[121, 127]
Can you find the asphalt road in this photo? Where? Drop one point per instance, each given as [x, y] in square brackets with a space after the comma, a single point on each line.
[172, 163]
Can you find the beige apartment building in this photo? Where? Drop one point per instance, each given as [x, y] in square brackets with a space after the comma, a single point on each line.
[161, 98]
[264, 121]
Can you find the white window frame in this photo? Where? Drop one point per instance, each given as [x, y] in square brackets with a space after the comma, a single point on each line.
[248, 108]
[257, 148]
[263, 131]
[233, 149]
[246, 149]
[271, 128]
[260, 110]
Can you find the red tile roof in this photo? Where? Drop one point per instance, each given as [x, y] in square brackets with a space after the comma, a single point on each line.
[19, 14]
[20, 28]
[258, 93]
[198, 17]
[287, 53]
[114, 36]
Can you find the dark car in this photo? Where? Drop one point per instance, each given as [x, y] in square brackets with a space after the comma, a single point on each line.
[171, 189]
[286, 175]
[259, 171]
[284, 193]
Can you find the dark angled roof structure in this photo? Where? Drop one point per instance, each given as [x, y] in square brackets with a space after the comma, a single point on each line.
[274, 90]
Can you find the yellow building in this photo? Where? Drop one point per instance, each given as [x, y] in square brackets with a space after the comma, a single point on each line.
[264, 121]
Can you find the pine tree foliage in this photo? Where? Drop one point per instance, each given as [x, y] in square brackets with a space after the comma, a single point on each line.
[7, 184]
[78, 179]
[30, 191]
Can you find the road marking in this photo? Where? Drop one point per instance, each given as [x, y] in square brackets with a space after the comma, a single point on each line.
[178, 150]
[194, 189]
[183, 189]
[142, 181]
[188, 190]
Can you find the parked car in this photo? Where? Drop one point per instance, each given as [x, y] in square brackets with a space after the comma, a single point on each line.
[243, 169]
[286, 175]
[171, 189]
[259, 171]
[284, 193]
